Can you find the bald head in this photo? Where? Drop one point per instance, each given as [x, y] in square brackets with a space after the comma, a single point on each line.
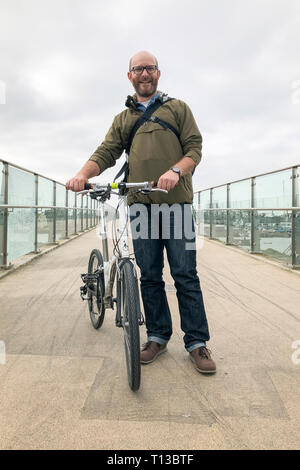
[142, 56]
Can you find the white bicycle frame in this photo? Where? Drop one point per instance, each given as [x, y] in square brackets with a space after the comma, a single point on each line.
[111, 264]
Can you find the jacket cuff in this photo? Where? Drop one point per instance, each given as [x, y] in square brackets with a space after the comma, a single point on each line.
[194, 156]
[100, 163]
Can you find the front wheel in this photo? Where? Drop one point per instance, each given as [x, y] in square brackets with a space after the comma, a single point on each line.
[96, 289]
[130, 322]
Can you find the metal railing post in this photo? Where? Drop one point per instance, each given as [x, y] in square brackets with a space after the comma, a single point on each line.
[81, 224]
[54, 212]
[36, 213]
[5, 217]
[227, 213]
[252, 217]
[67, 213]
[293, 234]
[75, 211]
[210, 212]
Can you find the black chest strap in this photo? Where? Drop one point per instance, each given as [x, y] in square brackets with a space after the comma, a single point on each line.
[146, 116]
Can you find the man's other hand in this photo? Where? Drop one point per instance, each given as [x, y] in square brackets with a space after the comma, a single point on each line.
[77, 183]
[168, 180]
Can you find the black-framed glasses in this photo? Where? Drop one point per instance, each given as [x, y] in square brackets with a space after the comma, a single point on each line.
[138, 70]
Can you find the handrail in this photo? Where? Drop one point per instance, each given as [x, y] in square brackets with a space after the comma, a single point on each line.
[29, 171]
[74, 219]
[22, 206]
[248, 178]
[248, 208]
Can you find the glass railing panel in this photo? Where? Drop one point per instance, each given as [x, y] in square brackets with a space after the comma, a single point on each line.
[273, 234]
[21, 187]
[21, 233]
[71, 212]
[240, 229]
[2, 191]
[85, 219]
[90, 204]
[297, 187]
[21, 222]
[196, 200]
[205, 199]
[218, 218]
[79, 214]
[297, 217]
[71, 221]
[45, 215]
[2, 183]
[85, 211]
[203, 217]
[219, 225]
[219, 197]
[297, 238]
[273, 190]
[60, 195]
[240, 194]
[60, 213]
[60, 223]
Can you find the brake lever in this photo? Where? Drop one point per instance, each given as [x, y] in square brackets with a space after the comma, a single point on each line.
[147, 191]
[86, 191]
[159, 189]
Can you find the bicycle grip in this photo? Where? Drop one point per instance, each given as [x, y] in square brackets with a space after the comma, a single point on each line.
[88, 186]
[154, 184]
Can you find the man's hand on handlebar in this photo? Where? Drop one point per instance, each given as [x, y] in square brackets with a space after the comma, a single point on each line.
[168, 180]
[77, 183]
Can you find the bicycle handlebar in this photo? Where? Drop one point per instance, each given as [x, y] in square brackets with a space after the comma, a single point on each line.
[98, 186]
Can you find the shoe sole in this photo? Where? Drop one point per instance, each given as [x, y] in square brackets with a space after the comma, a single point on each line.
[201, 370]
[155, 357]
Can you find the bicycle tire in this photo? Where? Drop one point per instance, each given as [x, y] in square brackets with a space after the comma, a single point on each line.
[130, 323]
[96, 300]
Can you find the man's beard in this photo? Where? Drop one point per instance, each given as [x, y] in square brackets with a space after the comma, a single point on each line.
[148, 91]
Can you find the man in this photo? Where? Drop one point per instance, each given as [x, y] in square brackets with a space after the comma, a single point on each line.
[166, 148]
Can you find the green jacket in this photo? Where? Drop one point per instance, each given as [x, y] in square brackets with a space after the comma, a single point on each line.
[154, 150]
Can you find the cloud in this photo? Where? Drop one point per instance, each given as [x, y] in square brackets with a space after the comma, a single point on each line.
[64, 65]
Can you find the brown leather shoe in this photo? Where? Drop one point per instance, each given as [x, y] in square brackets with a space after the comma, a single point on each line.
[151, 350]
[203, 361]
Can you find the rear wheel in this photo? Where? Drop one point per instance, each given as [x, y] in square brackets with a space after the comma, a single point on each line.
[96, 289]
[130, 322]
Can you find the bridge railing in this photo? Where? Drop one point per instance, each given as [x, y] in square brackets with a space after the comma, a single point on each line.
[37, 211]
[260, 214]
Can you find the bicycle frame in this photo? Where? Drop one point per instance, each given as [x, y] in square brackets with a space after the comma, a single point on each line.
[111, 264]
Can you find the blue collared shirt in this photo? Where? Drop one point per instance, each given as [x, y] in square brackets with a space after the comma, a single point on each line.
[154, 98]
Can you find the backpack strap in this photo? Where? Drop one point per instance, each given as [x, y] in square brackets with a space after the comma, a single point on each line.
[146, 116]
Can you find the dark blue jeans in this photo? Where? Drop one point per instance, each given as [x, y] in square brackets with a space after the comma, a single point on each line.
[152, 231]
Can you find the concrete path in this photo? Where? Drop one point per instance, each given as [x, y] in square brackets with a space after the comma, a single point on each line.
[64, 384]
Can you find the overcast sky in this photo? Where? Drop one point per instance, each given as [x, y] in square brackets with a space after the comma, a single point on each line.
[63, 77]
